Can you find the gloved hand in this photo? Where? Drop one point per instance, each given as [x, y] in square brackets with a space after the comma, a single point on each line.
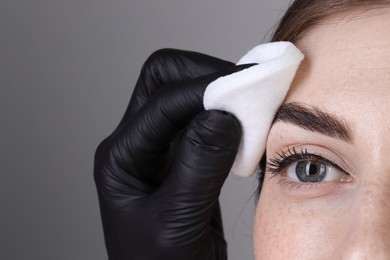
[159, 174]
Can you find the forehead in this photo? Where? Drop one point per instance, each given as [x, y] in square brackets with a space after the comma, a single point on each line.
[347, 64]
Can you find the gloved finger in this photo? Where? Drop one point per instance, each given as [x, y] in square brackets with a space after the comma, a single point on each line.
[205, 156]
[142, 143]
[167, 66]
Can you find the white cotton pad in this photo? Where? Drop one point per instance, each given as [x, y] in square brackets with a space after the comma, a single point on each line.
[254, 95]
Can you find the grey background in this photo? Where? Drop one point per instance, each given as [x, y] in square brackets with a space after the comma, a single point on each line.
[67, 71]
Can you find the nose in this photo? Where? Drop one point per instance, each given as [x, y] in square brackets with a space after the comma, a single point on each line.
[366, 232]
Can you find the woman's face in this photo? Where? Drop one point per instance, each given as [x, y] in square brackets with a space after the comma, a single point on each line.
[326, 192]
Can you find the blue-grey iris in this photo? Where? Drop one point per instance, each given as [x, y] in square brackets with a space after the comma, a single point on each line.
[310, 171]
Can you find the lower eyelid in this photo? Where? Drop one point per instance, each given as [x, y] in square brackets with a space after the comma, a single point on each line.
[297, 185]
[312, 190]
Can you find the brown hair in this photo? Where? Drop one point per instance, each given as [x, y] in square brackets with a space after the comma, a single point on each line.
[303, 15]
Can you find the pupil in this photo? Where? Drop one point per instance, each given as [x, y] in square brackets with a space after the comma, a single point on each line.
[313, 169]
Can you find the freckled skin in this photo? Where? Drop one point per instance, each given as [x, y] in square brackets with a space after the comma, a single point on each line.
[346, 72]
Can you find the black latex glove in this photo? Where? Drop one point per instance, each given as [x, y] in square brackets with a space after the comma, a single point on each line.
[159, 174]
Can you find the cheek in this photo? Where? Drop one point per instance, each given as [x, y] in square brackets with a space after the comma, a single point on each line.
[288, 231]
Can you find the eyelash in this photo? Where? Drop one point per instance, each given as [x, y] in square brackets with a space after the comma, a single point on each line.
[285, 159]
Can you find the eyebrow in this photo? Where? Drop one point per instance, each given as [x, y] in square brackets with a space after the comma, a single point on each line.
[315, 120]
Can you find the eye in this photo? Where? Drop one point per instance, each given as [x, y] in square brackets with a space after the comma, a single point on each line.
[301, 166]
[313, 171]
